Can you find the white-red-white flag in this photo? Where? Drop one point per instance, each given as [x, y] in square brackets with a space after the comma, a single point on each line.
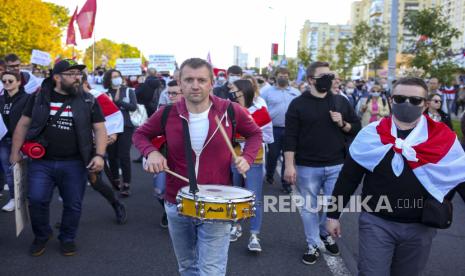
[114, 121]
[432, 151]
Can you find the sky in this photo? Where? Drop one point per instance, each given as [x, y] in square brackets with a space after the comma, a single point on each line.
[193, 28]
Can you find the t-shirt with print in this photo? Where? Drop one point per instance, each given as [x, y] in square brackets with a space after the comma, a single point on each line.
[62, 143]
[5, 110]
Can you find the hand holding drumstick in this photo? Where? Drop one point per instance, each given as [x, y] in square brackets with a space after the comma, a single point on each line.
[242, 165]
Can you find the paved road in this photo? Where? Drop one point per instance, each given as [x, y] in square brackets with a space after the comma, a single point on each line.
[142, 247]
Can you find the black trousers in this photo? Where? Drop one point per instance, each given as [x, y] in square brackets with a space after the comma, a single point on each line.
[119, 155]
[97, 183]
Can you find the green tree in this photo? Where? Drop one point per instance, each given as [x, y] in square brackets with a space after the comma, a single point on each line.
[60, 15]
[369, 43]
[30, 24]
[107, 51]
[344, 63]
[432, 51]
[326, 53]
[303, 56]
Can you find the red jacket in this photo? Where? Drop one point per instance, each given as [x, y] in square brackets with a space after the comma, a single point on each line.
[214, 163]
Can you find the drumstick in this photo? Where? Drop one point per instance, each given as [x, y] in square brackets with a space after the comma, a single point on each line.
[177, 175]
[226, 139]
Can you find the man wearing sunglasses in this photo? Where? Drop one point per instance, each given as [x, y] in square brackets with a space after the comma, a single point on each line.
[29, 82]
[317, 126]
[405, 161]
[65, 121]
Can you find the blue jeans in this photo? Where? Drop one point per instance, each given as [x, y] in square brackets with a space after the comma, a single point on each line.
[5, 151]
[310, 180]
[159, 184]
[70, 177]
[201, 248]
[274, 151]
[254, 182]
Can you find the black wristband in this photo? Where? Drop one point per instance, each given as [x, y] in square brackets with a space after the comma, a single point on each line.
[100, 155]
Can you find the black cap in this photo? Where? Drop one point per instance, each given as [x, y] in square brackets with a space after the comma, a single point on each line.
[65, 65]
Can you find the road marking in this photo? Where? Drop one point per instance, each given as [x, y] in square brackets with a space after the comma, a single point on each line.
[335, 263]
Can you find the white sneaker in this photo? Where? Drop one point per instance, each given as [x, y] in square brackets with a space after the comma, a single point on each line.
[6, 188]
[254, 244]
[236, 232]
[10, 206]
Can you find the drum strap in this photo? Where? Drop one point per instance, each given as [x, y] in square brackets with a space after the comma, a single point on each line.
[190, 163]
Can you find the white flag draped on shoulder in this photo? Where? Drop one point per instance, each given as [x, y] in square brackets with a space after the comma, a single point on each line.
[114, 121]
[431, 150]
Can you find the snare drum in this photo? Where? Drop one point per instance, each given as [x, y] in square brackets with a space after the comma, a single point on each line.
[216, 203]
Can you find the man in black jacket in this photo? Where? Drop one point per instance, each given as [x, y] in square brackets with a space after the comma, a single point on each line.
[149, 92]
[65, 121]
[405, 161]
[234, 73]
[318, 126]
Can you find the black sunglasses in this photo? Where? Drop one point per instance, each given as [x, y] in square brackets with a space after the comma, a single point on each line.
[437, 101]
[330, 75]
[413, 100]
[9, 81]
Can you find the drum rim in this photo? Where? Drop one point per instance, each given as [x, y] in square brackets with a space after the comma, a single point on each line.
[236, 200]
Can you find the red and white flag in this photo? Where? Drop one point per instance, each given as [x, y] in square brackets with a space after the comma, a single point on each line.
[71, 34]
[86, 19]
[114, 121]
[432, 151]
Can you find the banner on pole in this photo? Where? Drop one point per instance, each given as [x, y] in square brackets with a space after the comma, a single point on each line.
[129, 66]
[162, 62]
[21, 204]
[40, 58]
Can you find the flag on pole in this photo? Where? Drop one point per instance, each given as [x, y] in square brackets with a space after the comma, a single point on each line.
[86, 19]
[209, 59]
[71, 35]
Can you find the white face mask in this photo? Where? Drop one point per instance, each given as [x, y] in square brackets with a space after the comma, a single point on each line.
[349, 91]
[232, 79]
[221, 79]
[117, 81]
[133, 78]
[385, 86]
[375, 94]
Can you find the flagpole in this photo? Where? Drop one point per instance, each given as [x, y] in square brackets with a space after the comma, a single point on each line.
[93, 54]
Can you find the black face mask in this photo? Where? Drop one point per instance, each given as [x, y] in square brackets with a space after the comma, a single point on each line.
[100, 73]
[323, 84]
[406, 112]
[283, 82]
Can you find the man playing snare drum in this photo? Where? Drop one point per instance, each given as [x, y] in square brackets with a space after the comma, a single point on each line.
[201, 247]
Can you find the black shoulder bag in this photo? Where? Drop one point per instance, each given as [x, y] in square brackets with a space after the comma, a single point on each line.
[436, 214]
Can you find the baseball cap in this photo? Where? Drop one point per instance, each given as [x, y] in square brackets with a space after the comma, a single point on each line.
[65, 65]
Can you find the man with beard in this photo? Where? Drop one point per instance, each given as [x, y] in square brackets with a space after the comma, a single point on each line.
[409, 163]
[65, 122]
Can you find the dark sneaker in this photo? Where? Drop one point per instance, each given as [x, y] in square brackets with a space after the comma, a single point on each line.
[38, 246]
[330, 245]
[311, 255]
[120, 212]
[116, 185]
[164, 221]
[124, 190]
[269, 180]
[68, 248]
